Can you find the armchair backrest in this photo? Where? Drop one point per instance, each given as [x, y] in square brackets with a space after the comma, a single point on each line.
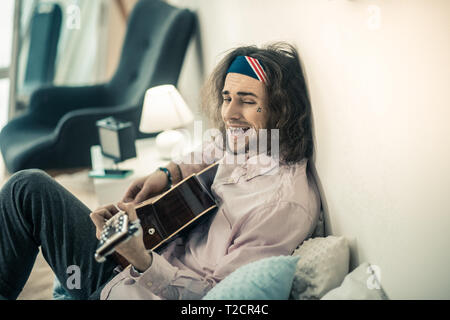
[155, 43]
[44, 38]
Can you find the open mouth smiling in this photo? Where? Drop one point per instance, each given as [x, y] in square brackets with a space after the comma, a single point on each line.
[236, 131]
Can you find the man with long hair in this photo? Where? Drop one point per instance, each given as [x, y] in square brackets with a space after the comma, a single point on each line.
[268, 202]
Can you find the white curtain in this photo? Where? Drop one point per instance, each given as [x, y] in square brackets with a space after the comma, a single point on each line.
[82, 47]
[83, 42]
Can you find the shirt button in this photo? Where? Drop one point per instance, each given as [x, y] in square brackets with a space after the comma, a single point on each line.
[129, 281]
[149, 284]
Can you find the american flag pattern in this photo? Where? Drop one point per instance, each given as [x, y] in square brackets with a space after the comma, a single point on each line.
[257, 68]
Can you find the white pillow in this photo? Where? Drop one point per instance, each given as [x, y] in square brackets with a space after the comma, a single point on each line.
[360, 284]
[323, 265]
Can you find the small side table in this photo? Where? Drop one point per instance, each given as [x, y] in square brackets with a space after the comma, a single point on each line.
[109, 190]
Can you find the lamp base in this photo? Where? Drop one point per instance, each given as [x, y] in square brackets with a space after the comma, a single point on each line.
[169, 142]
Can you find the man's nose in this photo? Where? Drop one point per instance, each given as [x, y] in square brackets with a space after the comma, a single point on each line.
[232, 111]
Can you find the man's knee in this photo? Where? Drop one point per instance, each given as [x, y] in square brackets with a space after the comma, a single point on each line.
[34, 178]
[30, 175]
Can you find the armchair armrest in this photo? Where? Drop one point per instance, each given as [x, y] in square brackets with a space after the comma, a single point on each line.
[82, 122]
[50, 104]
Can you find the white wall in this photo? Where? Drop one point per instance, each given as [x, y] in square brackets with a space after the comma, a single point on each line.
[379, 77]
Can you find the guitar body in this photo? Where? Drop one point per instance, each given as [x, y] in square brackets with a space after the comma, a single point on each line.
[176, 211]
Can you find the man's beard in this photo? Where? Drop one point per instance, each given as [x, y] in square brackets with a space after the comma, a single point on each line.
[254, 143]
[242, 143]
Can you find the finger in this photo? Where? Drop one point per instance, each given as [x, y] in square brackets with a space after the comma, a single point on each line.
[142, 195]
[112, 209]
[131, 193]
[127, 199]
[129, 209]
[103, 213]
[99, 218]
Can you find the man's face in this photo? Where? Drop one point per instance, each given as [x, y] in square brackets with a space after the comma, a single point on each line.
[244, 109]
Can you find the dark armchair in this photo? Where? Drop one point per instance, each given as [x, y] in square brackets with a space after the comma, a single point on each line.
[45, 32]
[59, 127]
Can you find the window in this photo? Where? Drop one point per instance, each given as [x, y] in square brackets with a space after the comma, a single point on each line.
[6, 35]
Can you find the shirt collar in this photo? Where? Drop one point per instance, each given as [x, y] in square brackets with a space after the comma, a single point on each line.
[261, 164]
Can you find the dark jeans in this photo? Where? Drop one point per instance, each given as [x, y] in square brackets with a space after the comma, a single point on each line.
[37, 211]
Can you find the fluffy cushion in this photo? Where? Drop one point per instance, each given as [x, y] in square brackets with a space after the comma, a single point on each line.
[265, 279]
[360, 284]
[323, 264]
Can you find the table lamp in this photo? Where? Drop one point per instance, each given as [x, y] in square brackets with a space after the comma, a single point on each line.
[164, 110]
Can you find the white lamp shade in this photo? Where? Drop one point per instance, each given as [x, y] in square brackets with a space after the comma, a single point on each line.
[164, 109]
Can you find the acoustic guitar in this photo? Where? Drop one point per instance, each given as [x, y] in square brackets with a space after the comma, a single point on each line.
[162, 218]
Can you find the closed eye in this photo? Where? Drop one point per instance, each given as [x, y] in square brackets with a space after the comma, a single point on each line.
[228, 100]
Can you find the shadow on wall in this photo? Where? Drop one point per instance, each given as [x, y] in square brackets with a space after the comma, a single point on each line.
[325, 213]
[328, 229]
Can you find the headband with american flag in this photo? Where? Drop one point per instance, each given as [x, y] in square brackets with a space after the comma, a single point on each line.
[248, 66]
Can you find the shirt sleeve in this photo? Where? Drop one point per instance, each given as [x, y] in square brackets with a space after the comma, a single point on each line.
[171, 283]
[263, 232]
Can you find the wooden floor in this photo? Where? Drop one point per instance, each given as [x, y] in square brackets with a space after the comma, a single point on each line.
[40, 283]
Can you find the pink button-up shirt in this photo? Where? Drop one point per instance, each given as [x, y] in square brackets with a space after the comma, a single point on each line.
[264, 209]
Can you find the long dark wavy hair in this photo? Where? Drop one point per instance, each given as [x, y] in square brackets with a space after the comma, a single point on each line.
[288, 98]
